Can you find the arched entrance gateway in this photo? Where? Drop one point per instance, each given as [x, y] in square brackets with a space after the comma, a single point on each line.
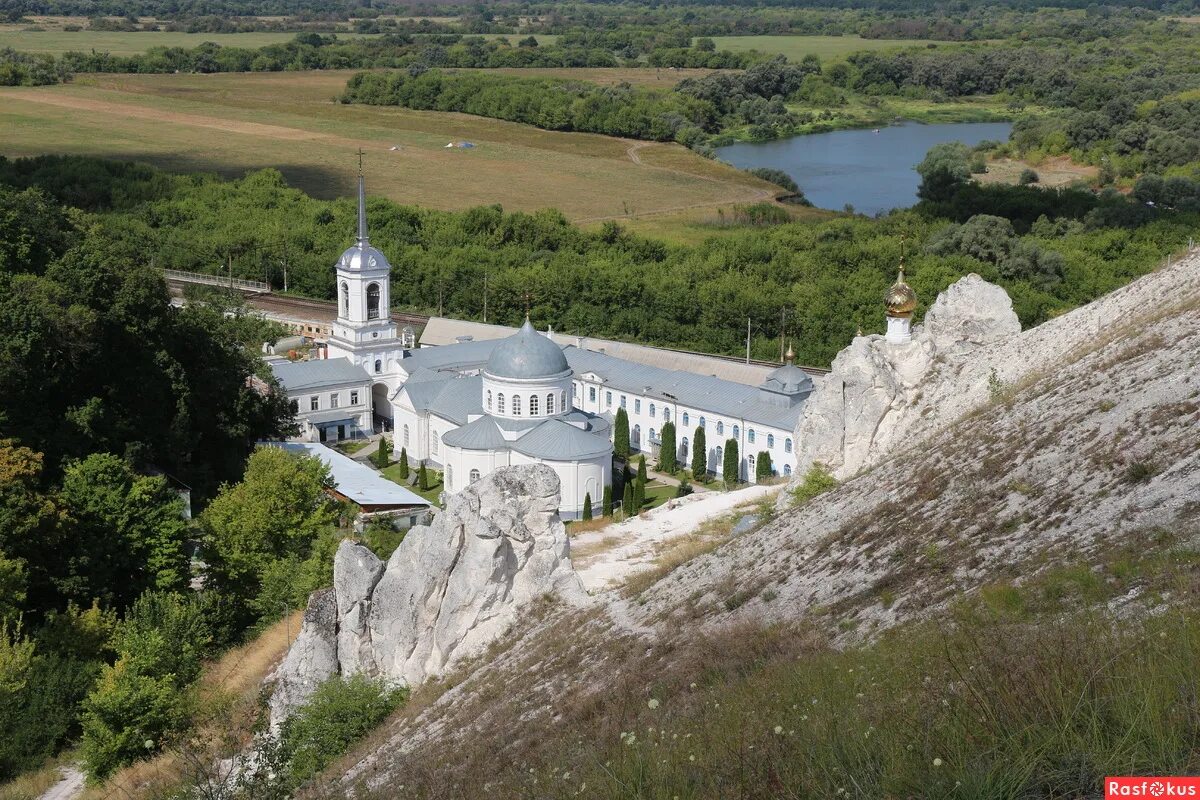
[381, 407]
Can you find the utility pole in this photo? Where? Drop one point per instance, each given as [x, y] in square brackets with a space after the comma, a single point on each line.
[485, 290]
[747, 340]
[285, 266]
[229, 266]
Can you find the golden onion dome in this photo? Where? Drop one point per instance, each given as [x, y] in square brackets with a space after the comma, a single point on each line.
[901, 300]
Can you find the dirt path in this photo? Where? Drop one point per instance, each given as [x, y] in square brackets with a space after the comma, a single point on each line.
[616, 551]
[69, 787]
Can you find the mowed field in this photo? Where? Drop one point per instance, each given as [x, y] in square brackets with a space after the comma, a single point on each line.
[824, 47]
[122, 43]
[232, 123]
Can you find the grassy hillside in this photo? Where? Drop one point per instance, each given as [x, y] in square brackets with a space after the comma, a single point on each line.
[232, 123]
[1007, 610]
[127, 43]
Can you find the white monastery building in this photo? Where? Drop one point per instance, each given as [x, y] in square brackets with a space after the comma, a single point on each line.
[468, 405]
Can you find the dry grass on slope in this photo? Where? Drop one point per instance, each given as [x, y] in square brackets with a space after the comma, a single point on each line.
[1043, 556]
[227, 706]
[1076, 460]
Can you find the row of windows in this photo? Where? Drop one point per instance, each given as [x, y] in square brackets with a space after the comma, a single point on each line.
[720, 453]
[666, 415]
[335, 399]
[534, 402]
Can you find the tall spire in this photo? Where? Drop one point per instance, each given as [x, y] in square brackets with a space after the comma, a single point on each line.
[362, 203]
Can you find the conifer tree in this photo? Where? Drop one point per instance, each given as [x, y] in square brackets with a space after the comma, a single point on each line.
[422, 477]
[668, 457]
[729, 471]
[763, 466]
[587, 507]
[641, 476]
[621, 434]
[383, 454]
[627, 504]
[606, 503]
[403, 463]
[699, 456]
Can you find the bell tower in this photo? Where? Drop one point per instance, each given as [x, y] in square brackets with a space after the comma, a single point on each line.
[364, 331]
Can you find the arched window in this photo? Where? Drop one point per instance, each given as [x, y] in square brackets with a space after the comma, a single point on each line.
[516, 405]
[489, 400]
[500, 403]
[449, 477]
[437, 443]
[474, 475]
[720, 429]
[406, 436]
[378, 366]
[652, 435]
[652, 409]
[787, 445]
[787, 469]
[345, 300]
[751, 460]
[686, 419]
[637, 434]
[550, 404]
[684, 445]
[750, 435]
[770, 440]
[735, 432]
[533, 405]
[666, 414]
[720, 455]
[373, 301]
[564, 401]
[701, 424]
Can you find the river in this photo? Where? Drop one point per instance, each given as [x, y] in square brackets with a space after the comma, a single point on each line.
[871, 170]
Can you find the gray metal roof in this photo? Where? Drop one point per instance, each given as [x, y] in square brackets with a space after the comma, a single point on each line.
[363, 256]
[558, 441]
[482, 434]
[441, 331]
[298, 376]
[328, 416]
[357, 482]
[464, 355]
[789, 379]
[526, 354]
[454, 396]
[701, 392]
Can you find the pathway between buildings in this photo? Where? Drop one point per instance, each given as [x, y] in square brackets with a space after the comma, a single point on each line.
[611, 554]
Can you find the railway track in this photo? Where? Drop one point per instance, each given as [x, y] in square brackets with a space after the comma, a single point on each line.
[320, 310]
[326, 311]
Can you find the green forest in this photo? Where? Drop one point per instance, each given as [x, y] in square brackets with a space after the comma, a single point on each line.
[827, 276]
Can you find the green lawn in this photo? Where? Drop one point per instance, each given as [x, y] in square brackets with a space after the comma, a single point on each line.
[657, 494]
[352, 446]
[825, 47]
[392, 473]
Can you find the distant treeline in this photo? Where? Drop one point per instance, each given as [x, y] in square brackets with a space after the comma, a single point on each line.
[696, 107]
[316, 51]
[830, 275]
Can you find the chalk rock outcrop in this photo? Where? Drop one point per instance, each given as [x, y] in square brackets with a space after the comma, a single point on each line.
[879, 395]
[447, 591]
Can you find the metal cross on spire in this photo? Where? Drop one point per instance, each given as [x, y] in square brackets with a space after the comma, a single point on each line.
[362, 202]
[527, 298]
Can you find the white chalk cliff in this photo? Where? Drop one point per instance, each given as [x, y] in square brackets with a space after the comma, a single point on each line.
[447, 591]
[881, 398]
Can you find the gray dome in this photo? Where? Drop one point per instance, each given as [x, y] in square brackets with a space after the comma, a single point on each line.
[788, 379]
[525, 355]
[363, 257]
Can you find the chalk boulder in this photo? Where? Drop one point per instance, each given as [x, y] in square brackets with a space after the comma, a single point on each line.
[447, 591]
